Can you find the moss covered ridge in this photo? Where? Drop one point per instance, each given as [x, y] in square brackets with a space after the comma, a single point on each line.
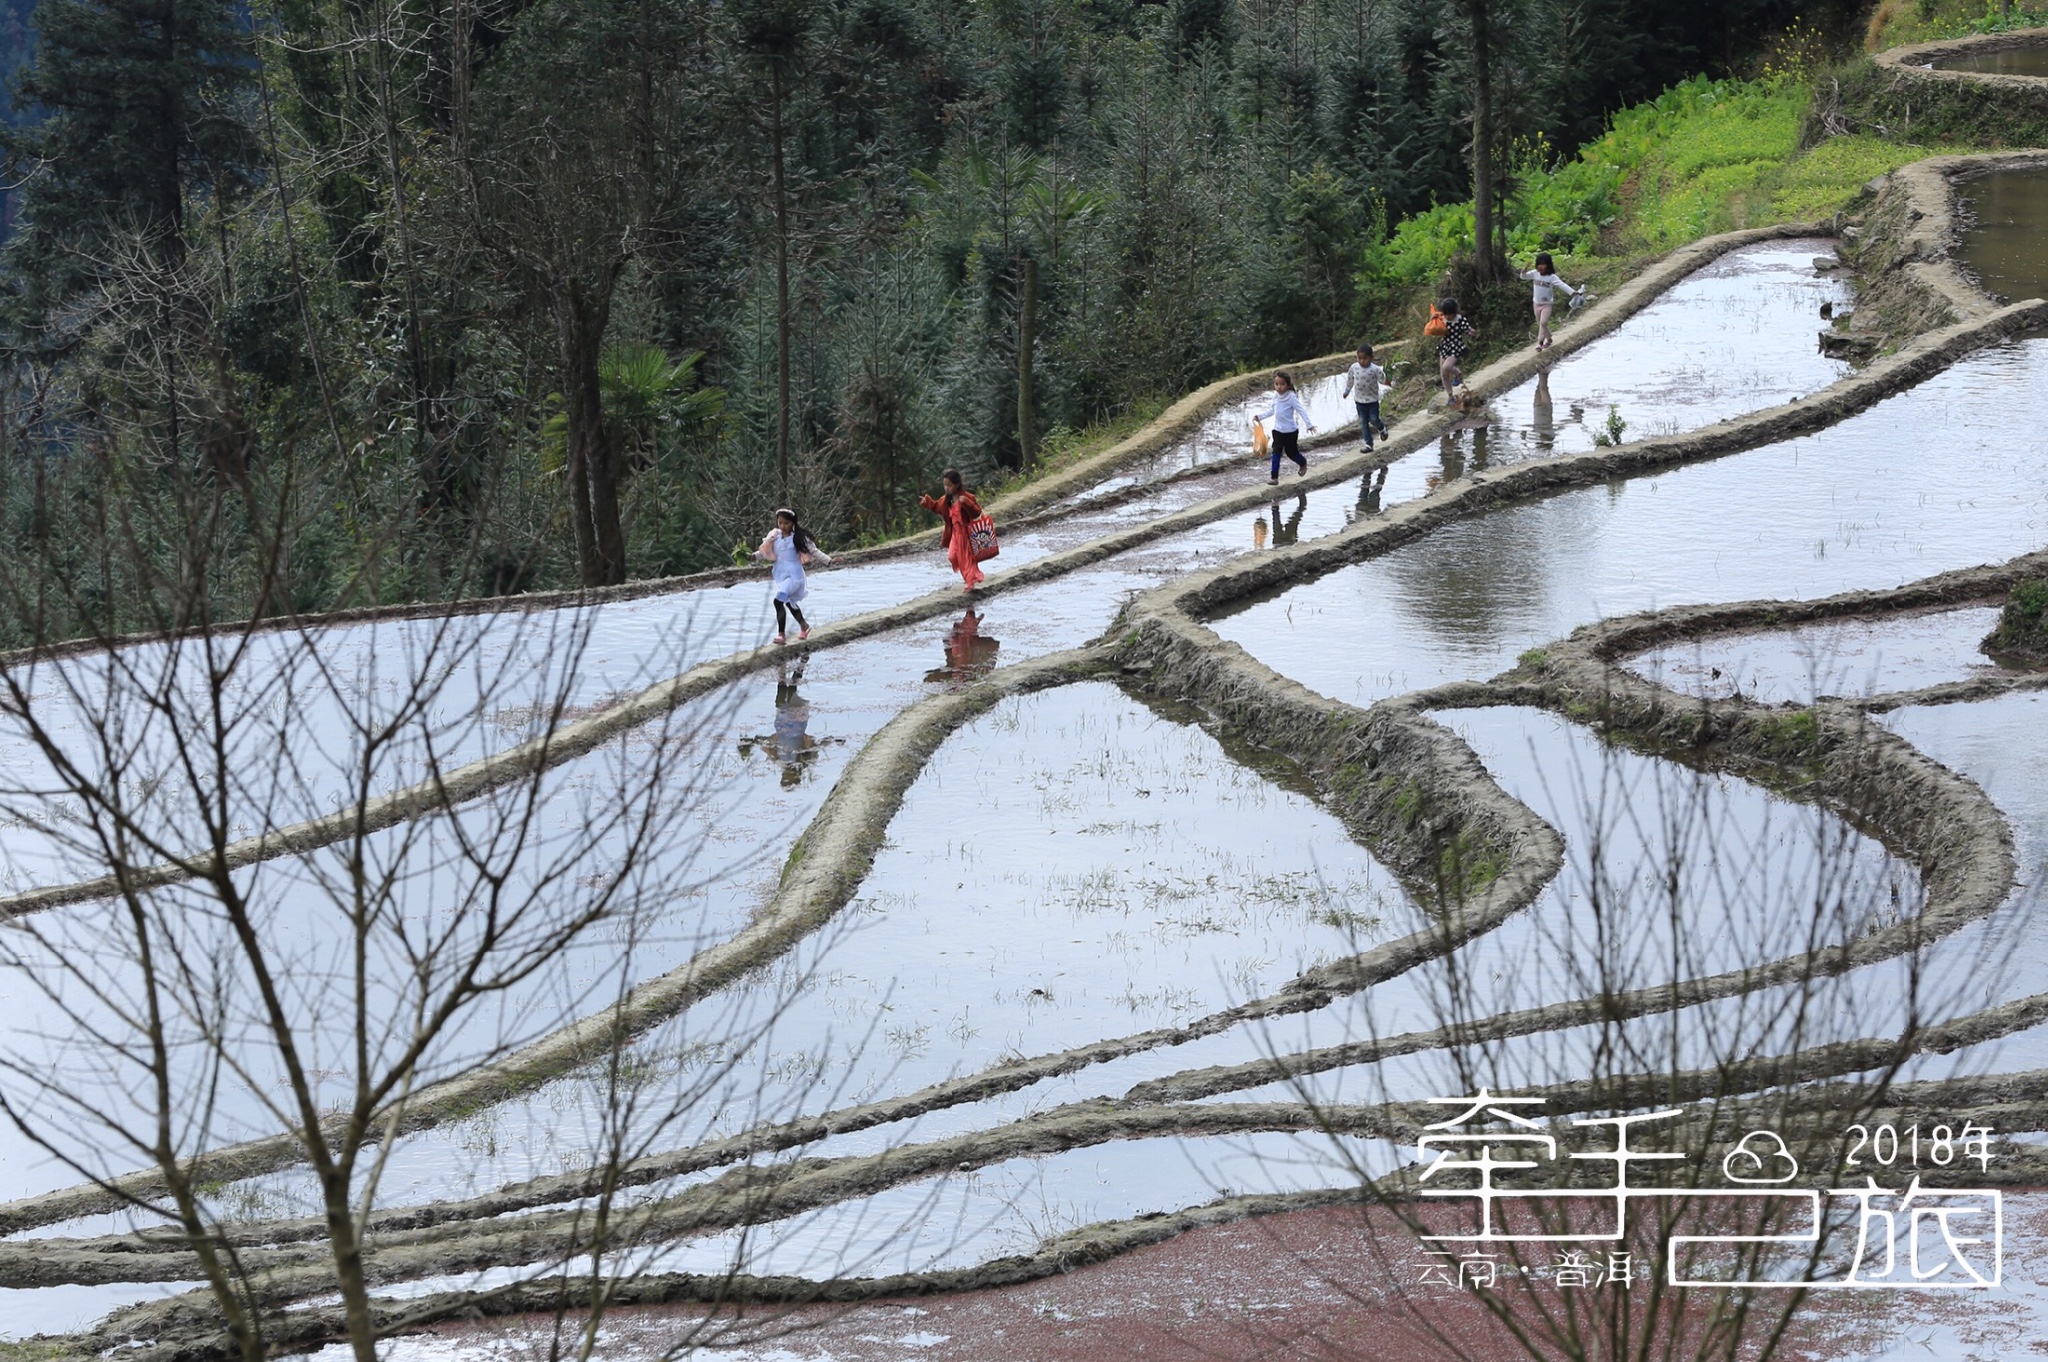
[2022, 632]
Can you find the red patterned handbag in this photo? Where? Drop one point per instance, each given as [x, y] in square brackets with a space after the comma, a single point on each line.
[981, 538]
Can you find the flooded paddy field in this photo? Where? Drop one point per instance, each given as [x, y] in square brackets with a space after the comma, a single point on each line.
[1853, 657]
[1735, 336]
[2029, 60]
[1141, 875]
[1847, 507]
[2001, 243]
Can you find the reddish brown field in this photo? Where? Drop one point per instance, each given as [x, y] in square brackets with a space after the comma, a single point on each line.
[1300, 1287]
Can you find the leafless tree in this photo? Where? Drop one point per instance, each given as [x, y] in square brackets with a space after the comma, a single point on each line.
[1702, 968]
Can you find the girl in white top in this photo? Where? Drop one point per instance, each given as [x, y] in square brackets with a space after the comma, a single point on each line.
[1544, 295]
[1288, 414]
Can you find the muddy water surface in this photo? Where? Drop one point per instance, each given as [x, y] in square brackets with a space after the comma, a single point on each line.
[2009, 61]
[2003, 243]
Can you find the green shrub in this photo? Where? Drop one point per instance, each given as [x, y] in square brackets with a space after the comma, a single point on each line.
[1705, 156]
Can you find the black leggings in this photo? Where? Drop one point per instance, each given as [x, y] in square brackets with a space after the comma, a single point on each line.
[781, 620]
[1287, 442]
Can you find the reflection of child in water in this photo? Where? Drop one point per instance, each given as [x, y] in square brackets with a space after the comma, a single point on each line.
[968, 654]
[1369, 489]
[1282, 532]
[1542, 415]
[790, 744]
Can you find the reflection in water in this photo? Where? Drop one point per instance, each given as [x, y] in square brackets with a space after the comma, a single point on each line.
[1270, 528]
[1847, 507]
[969, 656]
[1470, 595]
[1734, 337]
[1369, 489]
[791, 744]
[1289, 531]
[1827, 657]
[2011, 61]
[1542, 424]
[2004, 245]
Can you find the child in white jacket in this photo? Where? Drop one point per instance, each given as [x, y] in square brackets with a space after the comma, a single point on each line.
[1544, 296]
[1289, 414]
[1363, 383]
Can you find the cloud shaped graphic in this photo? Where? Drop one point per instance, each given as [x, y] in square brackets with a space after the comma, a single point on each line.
[1747, 1165]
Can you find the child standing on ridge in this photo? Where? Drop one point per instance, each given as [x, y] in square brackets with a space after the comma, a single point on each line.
[1363, 383]
[1451, 346]
[958, 508]
[790, 547]
[1544, 295]
[1289, 414]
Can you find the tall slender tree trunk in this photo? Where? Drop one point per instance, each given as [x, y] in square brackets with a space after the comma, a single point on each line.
[1486, 262]
[593, 481]
[1027, 343]
[781, 290]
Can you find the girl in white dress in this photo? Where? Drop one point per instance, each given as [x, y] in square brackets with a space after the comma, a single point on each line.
[790, 547]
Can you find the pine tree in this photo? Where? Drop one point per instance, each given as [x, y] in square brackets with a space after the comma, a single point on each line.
[143, 106]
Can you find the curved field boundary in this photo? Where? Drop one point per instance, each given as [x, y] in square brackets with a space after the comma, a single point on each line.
[824, 869]
[1938, 820]
[1025, 506]
[1202, 593]
[562, 1049]
[1075, 1249]
[1914, 64]
[1177, 421]
[1927, 813]
[1171, 425]
[1913, 230]
[581, 736]
[824, 872]
[1622, 636]
[840, 868]
[1148, 1110]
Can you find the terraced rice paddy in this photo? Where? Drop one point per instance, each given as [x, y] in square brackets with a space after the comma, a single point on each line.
[978, 930]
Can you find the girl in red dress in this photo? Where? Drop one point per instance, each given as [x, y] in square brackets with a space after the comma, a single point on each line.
[958, 509]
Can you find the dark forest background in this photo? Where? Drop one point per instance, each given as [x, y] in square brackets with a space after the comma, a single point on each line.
[337, 302]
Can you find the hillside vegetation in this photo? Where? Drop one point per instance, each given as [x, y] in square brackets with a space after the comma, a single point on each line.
[375, 308]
